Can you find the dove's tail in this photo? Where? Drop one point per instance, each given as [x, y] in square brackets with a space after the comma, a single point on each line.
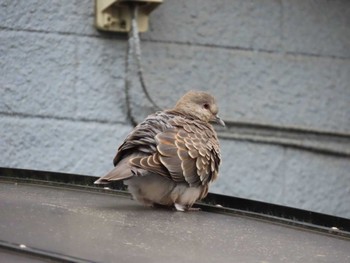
[121, 172]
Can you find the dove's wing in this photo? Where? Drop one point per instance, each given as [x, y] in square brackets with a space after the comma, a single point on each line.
[186, 153]
[140, 142]
[181, 149]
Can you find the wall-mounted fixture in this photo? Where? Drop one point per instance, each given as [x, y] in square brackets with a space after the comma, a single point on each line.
[115, 15]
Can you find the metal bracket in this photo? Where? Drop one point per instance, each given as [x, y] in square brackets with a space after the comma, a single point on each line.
[115, 15]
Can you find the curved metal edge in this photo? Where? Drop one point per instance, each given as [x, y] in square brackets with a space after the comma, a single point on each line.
[39, 253]
[326, 224]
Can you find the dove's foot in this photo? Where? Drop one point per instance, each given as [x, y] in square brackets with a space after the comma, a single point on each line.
[183, 208]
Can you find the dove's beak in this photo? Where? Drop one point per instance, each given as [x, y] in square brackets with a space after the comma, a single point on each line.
[219, 121]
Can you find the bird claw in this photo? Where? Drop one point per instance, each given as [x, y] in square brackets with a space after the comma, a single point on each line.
[183, 208]
[179, 207]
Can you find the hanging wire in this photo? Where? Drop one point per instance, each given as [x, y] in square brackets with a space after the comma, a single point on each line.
[127, 78]
[137, 47]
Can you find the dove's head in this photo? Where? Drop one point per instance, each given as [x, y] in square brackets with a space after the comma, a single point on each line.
[200, 105]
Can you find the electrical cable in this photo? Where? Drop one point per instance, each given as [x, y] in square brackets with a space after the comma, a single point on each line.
[134, 48]
[137, 47]
[127, 78]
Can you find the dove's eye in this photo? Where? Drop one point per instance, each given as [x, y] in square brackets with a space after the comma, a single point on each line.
[206, 106]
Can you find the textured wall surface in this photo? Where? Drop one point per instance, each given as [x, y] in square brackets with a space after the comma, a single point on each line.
[279, 69]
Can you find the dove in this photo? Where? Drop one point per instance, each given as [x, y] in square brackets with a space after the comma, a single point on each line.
[171, 157]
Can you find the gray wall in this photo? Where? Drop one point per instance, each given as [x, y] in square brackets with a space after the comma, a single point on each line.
[279, 69]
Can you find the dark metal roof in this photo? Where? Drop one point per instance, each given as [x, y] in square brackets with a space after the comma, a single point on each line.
[62, 217]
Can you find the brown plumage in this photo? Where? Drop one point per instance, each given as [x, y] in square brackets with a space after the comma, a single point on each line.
[172, 156]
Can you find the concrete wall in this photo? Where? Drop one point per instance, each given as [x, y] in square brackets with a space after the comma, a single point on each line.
[279, 69]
